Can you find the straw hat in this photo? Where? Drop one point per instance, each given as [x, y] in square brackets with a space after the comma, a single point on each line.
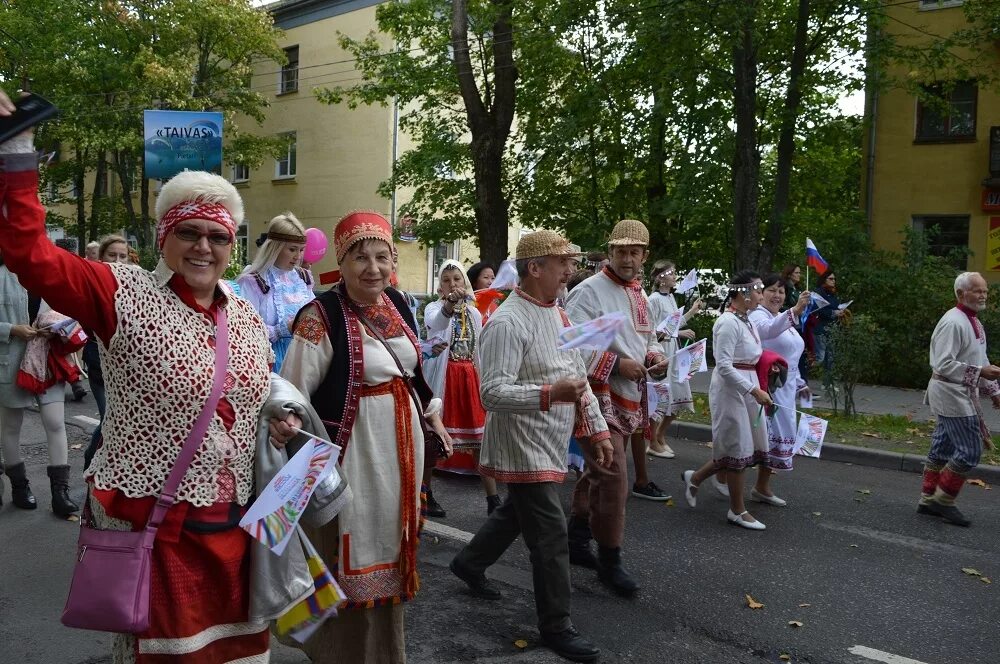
[544, 243]
[629, 232]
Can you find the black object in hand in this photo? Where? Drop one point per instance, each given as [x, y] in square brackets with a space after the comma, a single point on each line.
[31, 110]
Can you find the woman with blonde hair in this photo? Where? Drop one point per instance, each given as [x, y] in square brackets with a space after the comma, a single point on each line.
[275, 284]
[661, 304]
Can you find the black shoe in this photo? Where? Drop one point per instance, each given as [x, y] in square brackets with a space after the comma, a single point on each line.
[78, 392]
[492, 502]
[580, 552]
[612, 574]
[479, 585]
[924, 508]
[434, 508]
[569, 644]
[650, 492]
[59, 483]
[951, 514]
[19, 488]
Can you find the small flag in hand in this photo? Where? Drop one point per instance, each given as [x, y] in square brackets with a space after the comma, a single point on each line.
[813, 258]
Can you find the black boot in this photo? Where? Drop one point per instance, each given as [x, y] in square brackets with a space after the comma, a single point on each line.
[433, 507]
[492, 502]
[59, 482]
[580, 552]
[19, 488]
[569, 644]
[612, 574]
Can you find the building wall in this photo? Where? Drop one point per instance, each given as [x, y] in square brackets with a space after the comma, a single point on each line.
[914, 179]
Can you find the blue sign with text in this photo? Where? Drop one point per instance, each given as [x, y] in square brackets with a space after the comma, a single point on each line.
[178, 141]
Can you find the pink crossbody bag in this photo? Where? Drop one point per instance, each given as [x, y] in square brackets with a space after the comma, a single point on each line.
[110, 587]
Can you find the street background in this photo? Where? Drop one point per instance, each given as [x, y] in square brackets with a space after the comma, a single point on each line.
[848, 558]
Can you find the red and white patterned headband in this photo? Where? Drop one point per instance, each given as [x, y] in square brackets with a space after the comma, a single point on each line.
[186, 210]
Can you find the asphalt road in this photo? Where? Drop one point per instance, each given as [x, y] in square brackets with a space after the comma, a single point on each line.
[881, 583]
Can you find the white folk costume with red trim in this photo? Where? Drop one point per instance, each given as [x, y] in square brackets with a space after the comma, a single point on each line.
[621, 399]
[662, 305]
[527, 435]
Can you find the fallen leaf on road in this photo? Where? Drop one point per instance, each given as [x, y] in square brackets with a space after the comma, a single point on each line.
[72, 517]
[971, 571]
[709, 444]
[817, 514]
[521, 643]
[802, 606]
[871, 435]
[979, 483]
[859, 500]
[866, 492]
[854, 546]
[754, 604]
[985, 579]
[794, 623]
[79, 446]
[913, 430]
[669, 502]
[785, 657]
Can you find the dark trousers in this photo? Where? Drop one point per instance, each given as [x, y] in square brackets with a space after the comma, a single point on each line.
[95, 376]
[534, 511]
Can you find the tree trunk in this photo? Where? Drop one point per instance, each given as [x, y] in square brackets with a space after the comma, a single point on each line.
[121, 164]
[786, 139]
[100, 193]
[80, 172]
[666, 237]
[489, 124]
[746, 161]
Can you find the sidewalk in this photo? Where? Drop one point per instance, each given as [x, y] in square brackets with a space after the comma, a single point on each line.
[877, 400]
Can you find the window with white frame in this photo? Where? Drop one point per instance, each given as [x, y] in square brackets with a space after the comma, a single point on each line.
[241, 172]
[289, 81]
[284, 166]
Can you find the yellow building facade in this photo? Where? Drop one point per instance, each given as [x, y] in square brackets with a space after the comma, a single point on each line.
[928, 168]
[340, 155]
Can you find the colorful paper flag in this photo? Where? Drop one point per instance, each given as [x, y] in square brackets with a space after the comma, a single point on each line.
[597, 334]
[809, 436]
[656, 391]
[689, 282]
[272, 518]
[671, 323]
[699, 355]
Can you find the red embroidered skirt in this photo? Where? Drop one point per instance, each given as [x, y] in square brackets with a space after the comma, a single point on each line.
[199, 588]
[464, 417]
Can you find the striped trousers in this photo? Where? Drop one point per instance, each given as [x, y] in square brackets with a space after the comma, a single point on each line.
[956, 447]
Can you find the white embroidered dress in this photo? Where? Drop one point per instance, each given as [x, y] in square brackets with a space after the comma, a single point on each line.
[778, 334]
[739, 435]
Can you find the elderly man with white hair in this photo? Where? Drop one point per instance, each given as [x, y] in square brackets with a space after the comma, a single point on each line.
[962, 372]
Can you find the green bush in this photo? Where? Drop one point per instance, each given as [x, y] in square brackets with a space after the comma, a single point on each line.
[854, 343]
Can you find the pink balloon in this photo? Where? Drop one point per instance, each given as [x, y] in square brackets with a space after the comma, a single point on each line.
[316, 244]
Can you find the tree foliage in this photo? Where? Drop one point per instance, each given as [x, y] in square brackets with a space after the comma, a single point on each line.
[103, 62]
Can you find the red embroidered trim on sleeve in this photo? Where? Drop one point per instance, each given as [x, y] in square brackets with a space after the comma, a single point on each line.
[310, 329]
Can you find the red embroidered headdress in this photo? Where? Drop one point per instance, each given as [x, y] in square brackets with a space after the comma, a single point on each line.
[357, 226]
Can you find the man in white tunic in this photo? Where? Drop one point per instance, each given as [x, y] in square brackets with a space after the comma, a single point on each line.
[962, 372]
[618, 379]
[536, 397]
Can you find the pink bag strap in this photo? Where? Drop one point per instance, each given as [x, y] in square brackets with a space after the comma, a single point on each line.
[169, 494]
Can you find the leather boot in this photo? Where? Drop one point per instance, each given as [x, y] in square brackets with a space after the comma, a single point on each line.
[492, 502]
[434, 507]
[612, 574]
[580, 552]
[59, 483]
[19, 488]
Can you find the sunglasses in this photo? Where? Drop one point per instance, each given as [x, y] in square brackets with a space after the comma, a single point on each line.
[192, 235]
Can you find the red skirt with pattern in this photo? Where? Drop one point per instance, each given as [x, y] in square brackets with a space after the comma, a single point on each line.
[464, 417]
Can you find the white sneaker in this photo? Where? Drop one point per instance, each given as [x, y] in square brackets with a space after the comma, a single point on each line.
[738, 520]
[720, 487]
[770, 500]
[690, 496]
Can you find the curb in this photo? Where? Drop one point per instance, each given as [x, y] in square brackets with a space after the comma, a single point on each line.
[860, 456]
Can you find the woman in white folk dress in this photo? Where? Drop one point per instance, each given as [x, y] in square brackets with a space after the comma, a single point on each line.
[778, 333]
[739, 432]
[661, 304]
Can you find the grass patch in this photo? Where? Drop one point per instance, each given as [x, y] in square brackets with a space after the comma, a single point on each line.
[893, 433]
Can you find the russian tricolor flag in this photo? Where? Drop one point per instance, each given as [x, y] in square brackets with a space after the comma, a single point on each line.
[814, 259]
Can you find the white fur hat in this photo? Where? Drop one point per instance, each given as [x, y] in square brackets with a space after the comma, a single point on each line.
[200, 186]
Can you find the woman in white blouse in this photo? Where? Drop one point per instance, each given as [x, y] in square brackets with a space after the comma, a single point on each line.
[778, 333]
[739, 431]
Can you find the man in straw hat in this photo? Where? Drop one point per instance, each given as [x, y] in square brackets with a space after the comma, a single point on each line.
[618, 378]
[536, 397]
